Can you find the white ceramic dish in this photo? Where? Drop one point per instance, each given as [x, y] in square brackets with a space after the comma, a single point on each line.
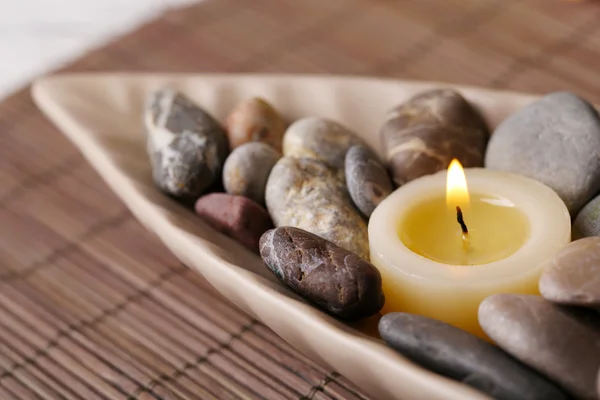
[101, 115]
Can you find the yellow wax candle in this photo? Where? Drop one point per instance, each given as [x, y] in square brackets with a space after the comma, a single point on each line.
[495, 227]
[496, 230]
[429, 266]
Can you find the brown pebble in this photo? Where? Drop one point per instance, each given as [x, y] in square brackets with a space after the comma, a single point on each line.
[236, 216]
[255, 120]
[422, 136]
[573, 275]
[334, 278]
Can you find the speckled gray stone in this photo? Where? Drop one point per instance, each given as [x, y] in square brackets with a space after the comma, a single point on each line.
[555, 140]
[587, 222]
[464, 357]
[368, 181]
[319, 138]
[306, 193]
[572, 277]
[247, 169]
[423, 135]
[561, 343]
[187, 146]
[320, 271]
[255, 120]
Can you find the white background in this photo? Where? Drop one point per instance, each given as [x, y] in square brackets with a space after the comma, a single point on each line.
[37, 36]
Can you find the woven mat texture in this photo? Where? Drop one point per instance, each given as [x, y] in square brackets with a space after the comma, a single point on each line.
[94, 307]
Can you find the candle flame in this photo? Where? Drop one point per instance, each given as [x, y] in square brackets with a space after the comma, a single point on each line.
[457, 193]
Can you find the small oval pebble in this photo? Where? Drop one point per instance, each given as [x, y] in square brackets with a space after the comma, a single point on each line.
[587, 222]
[368, 181]
[187, 146]
[462, 356]
[572, 277]
[255, 120]
[247, 169]
[321, 139]
[423, 135]
[555, 140]
[307, 194]
[552, 339]
[334, 278]
[236, 216]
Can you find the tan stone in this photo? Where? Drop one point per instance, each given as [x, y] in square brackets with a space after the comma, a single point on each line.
[255, 120]
[307, 194]
[573, 275]
[321, 139]
[560, 342]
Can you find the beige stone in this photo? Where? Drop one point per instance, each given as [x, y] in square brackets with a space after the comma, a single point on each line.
[307, 194]
[321, 139]
[561, 343]
[573, 275]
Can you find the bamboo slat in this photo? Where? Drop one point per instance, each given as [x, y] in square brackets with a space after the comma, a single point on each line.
[93, 307]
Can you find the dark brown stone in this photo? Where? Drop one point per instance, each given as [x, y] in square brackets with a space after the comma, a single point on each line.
[335, 279]
[255, 120]
[560, 342]
[236, 216]
[422, 136]
[368, 181]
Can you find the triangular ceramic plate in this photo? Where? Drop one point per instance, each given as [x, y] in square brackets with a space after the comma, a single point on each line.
[102, 116]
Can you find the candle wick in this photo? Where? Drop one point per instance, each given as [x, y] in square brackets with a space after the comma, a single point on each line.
[461, 221]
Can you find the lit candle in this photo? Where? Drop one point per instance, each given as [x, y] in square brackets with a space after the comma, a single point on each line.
[445, 242]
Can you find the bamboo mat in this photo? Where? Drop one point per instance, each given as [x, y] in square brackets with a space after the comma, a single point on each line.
[93, 307]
